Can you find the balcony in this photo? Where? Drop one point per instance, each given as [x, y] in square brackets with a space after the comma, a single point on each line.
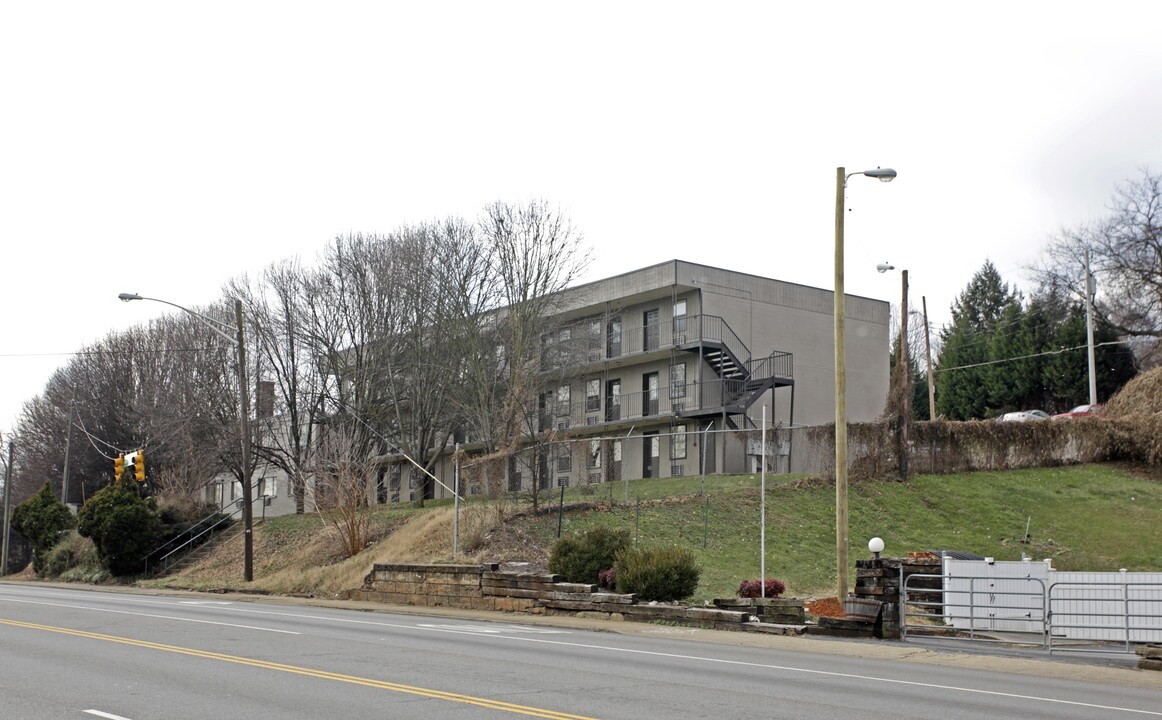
[688, 332]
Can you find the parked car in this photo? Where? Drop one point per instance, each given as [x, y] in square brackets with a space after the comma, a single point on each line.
[1081, 411]
[1024, 416]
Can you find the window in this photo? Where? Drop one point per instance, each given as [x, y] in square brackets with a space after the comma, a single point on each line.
[594, 454]
[592, 395]
[678, 380]
[565, 463]
[678, 443]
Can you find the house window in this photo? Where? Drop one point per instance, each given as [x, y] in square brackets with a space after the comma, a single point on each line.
[678, 443]
[592, 395]
[678, 380]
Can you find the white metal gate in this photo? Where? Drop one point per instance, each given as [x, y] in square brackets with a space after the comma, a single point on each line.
[1030, 603]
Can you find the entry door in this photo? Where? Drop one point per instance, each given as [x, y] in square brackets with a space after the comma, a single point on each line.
[650, 394]
[612, 400]
[651, 452]
[650, 330]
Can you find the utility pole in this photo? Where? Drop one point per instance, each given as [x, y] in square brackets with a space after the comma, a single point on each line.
[244, 426]
[68, 448]
[7, 503]
[928, 352]
[906, 400]
[1090, 292]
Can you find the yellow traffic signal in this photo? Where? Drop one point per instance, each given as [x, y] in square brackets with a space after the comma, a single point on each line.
[118, 466]
[139, 466]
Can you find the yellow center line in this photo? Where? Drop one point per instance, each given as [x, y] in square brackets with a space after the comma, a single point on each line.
[309, 672]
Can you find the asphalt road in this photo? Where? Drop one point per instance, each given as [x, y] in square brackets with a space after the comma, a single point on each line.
[68, 653]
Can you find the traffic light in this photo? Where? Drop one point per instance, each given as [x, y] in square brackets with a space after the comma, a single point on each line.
[118, 466]
[139, 466]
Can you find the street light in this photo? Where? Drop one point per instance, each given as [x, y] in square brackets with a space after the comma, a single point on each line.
[841, 176]
[905, 372]
[222, 330]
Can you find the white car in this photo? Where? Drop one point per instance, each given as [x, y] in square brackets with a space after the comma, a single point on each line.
[1024, 416]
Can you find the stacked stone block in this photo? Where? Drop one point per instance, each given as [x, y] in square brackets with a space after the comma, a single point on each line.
[880, 579]
[778, 611]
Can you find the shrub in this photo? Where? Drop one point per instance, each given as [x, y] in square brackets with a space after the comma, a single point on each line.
[753, 588]
[123, 525]
[657, 574]
[73, 552]
[581, 558]
[607, 579]
[42, 519]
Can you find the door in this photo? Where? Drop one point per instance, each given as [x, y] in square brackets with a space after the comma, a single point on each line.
[651, 452]
[650, 330]
[612, 400]
[613, 338]
[650, 394]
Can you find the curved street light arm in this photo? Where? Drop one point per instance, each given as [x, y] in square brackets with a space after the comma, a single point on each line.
[217, 326]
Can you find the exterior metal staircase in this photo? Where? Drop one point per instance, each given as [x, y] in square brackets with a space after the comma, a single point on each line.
[740, 382]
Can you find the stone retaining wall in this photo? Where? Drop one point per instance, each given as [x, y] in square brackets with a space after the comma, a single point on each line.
[485, 587]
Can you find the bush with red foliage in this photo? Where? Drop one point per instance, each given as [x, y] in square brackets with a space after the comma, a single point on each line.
[754, 588]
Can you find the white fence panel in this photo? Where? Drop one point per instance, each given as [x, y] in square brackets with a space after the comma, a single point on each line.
[1005, 596]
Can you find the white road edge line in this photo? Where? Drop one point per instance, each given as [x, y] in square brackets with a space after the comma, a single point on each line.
[110, 716]
[150, 615]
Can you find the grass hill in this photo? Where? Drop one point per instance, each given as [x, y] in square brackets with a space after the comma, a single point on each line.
[1089, 517]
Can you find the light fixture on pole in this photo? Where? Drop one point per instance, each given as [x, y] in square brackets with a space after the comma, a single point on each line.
[876, 545]
[905, 371]
[238, 340]
[841, 176]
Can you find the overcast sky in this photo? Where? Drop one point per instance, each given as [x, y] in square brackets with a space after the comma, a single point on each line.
[162, 148]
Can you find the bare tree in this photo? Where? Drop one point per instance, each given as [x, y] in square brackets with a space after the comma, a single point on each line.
[278, 310]
[343, 476]
[537, 255]
[1125, 251]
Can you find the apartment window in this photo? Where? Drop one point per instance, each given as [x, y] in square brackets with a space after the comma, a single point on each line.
[565, 463]
[594, 454]
[678, 380]
[678, 443]
[592, 395]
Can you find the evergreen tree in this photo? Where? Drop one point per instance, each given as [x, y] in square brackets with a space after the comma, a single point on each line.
[963, 375]
[42, 519]
[124, 526]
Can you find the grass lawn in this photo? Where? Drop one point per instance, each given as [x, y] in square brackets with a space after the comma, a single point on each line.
[1091, 517]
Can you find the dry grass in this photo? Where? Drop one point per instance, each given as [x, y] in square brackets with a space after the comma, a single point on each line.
[303, 556]
[1140, 396]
